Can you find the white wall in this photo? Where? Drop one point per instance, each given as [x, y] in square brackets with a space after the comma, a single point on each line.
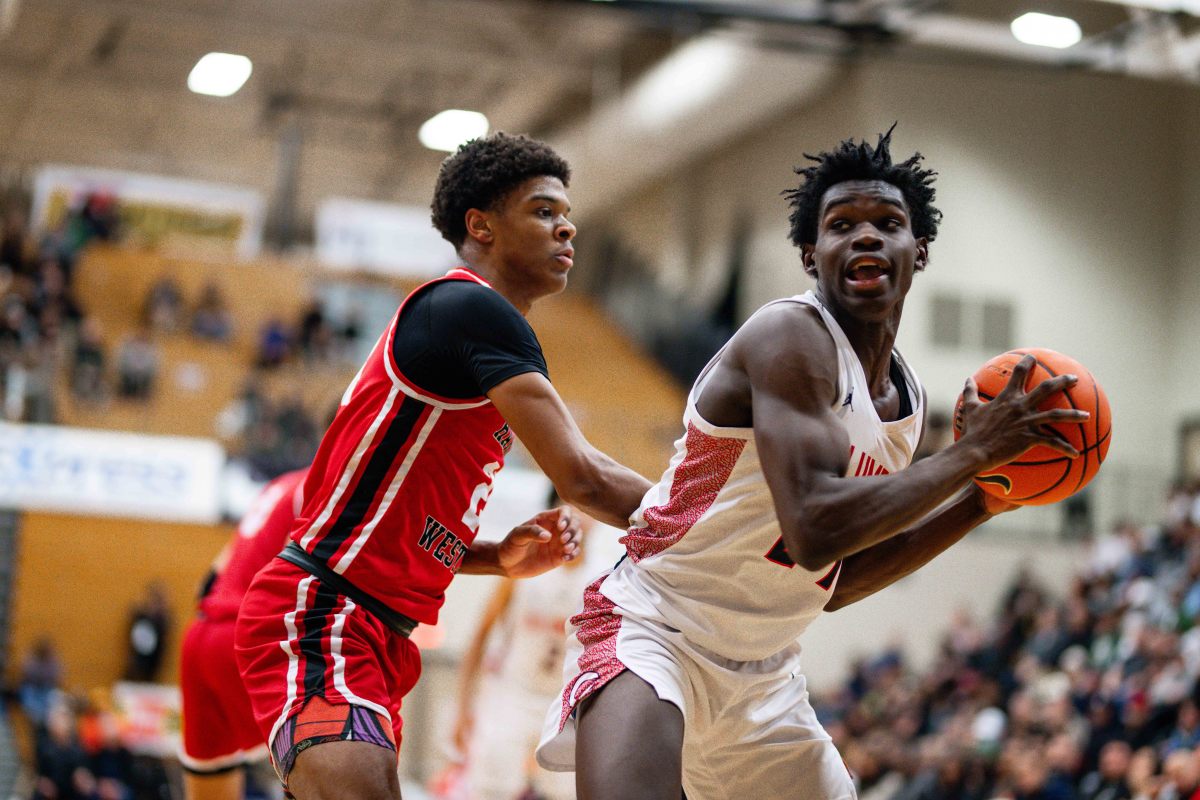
[1183, 279]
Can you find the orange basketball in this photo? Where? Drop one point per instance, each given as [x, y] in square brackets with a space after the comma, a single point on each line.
[1043, 475]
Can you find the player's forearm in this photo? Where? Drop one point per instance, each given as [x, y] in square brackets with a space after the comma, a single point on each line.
[482, 559]
[842, 516]
[870, 570]
[607, 490]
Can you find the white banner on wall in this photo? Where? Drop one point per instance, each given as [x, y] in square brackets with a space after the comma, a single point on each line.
[156, 209]
[77, 471]
[381, 237]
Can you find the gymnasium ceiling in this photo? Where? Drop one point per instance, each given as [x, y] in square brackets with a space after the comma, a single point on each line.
[358, 77]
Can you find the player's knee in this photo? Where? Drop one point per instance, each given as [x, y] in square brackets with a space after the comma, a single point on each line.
[345, 770]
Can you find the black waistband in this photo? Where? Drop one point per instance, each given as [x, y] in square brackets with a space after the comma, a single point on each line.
[400, 623]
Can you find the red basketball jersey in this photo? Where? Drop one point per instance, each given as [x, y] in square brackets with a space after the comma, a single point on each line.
[393, 497]
[260, 536]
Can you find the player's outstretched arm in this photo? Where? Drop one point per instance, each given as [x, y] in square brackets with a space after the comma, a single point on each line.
[584, 476]
[790, 361]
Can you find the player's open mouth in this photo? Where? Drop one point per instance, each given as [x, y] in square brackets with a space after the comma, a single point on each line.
[567, 259]
[867, 273]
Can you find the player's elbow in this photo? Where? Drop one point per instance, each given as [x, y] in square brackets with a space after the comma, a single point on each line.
[582, 484]
[814, 563]
[809, 544]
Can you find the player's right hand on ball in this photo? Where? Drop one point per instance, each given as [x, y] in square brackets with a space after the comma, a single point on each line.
[1003, 428]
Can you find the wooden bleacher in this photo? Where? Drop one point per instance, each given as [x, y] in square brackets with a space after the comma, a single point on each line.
[197, 379]
[624, 403]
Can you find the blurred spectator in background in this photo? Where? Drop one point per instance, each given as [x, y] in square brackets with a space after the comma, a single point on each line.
[242, 413]
[1186, 733]
[1108, 781]
[16, 248]
[95, 219]
[163, 305]
[18, 351]
[349, 332]
[316, 334]
[53, 293]
[137, 365]
[149, 624]
[88, 362]
[60, 762]
[1182, 775]
[211, 318]
[41, 681]
[109, 760]
[274, 344]
[284, 438]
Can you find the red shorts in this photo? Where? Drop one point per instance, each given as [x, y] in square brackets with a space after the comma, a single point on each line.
[219, 732]
[299, 640]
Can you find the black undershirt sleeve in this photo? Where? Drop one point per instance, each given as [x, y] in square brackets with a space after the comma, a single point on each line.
[460, 339]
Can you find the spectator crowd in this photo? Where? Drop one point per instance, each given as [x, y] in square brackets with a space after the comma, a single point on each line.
[50, 344]
[1091, 696]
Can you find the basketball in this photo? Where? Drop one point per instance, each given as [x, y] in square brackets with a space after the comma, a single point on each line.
[1043, 475]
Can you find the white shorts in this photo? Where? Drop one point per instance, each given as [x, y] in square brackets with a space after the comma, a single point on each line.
[749, 730]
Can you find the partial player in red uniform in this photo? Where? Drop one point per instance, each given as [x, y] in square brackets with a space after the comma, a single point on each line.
[394, 495]
[220, 735]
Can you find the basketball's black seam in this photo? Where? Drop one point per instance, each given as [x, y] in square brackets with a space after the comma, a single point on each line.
[1046, 461]
[1083, 453]
[1052, 486]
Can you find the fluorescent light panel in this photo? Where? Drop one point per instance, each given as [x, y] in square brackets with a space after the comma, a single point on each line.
[685, 81]
[1045, 30]
[219, 74]
[449, 129]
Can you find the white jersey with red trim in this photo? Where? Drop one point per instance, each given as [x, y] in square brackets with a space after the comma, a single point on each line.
[705, 552]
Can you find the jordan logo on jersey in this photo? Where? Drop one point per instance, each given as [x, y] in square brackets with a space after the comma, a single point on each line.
[504, 437]
[439, 542]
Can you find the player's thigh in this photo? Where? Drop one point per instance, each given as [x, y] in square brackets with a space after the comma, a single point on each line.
[345, 770]
[629, 743]
[227, 785]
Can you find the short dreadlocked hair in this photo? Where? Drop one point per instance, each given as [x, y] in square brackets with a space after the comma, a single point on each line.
[853, 161]
[482, 172]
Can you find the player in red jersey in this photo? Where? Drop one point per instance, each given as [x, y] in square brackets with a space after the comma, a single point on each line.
[394, 495]
[220, 735]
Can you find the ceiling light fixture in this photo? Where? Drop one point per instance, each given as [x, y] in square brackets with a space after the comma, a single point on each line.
[686, 80]
[451, 128]
[1045, 30]
[219, 74]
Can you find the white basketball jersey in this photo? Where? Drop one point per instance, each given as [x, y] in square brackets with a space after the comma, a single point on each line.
[705, 552]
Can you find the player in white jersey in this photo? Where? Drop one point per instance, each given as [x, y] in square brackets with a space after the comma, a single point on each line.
[789, 493]
[513, 667]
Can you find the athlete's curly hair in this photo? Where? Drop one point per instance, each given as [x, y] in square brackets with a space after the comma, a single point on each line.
[852, 161]
[482, 172]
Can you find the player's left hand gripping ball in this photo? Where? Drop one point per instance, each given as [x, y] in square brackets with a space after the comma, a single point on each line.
[544, 542]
